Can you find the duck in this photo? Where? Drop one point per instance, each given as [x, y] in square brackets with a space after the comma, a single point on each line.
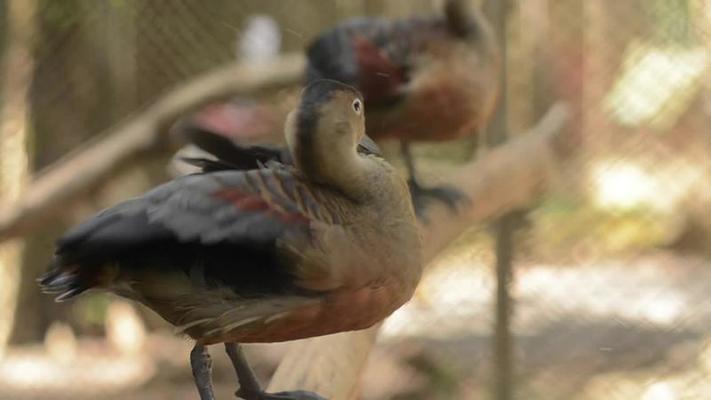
[264, 252]
[424, 79]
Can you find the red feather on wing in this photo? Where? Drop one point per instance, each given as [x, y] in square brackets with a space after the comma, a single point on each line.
[253, 202]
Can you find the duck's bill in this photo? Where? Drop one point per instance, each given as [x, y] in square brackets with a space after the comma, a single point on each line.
[368, 146]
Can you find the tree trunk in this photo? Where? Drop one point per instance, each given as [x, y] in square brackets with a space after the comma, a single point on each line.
[17, 67]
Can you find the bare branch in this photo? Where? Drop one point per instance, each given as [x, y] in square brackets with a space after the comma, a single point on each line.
[509, 177]
[88, 167]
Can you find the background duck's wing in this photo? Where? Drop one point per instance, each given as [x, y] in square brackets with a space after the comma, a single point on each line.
[237, 119]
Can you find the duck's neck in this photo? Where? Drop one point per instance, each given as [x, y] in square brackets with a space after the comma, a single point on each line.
[338, 166]
[347, 172]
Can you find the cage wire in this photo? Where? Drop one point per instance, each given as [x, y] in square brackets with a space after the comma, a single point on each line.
[612, 271]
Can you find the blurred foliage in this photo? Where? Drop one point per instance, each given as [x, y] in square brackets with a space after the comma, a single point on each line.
[61, 14]
[672, 21]
[3, 34]
[90, 311]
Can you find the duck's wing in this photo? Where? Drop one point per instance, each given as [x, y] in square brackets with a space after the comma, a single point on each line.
[231, 225]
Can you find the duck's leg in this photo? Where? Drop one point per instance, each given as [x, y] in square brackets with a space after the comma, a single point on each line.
[201, 364]
[249, 388]
[422, 196]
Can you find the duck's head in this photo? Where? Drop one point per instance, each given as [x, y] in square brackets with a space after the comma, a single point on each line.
[466, 21]
[326, 132]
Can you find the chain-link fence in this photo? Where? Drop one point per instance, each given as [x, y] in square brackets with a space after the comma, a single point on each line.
[612, 270]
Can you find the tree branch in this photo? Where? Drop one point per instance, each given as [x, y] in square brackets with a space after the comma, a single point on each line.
[509, 177]
[90, 166]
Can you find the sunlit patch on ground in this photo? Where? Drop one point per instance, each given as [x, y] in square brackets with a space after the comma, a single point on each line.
[641, 291]
[689, 383]
[35, 374]
[65, 367]
[621, 329]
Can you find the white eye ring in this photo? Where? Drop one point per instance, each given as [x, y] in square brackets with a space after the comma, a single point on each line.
[357, 106]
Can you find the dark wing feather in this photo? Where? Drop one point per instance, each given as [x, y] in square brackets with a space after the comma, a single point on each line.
[228, 222]
[228, 154]
[210, 165]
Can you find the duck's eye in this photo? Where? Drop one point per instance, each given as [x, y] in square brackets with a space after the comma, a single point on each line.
[357, 106]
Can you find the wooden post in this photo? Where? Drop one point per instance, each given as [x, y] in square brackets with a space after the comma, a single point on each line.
[505, 226]
[17, 68]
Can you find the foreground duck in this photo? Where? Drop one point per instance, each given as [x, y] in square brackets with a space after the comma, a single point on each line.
[270, 254]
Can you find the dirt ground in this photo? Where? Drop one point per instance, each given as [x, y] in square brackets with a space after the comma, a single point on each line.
[634, 328]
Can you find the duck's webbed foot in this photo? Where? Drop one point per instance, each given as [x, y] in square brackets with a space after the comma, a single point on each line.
[422, 197]
[249, 387]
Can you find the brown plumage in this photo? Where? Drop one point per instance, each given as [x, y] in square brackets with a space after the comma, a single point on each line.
[423, 79]
[270, 254]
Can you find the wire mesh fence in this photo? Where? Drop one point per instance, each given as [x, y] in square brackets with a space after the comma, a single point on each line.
[612, 268]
